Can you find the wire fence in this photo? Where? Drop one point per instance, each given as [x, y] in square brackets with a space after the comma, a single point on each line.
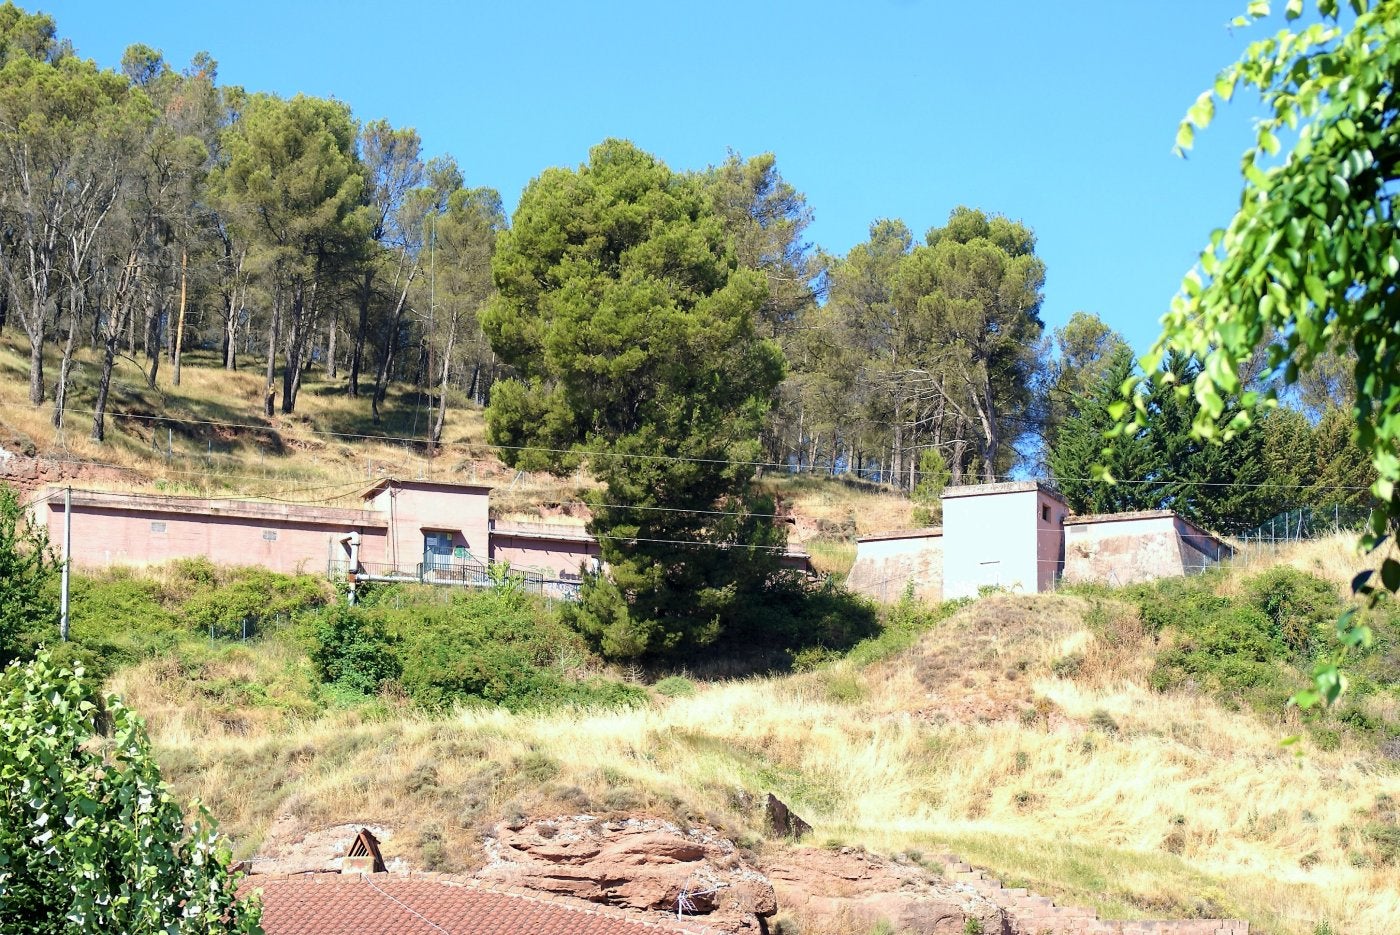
[248, 627]
[1298, 525]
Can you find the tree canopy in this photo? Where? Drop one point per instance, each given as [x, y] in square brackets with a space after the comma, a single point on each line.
[1308, 266]
[630, 326]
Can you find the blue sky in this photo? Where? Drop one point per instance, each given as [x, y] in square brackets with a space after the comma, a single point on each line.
[1060, 114]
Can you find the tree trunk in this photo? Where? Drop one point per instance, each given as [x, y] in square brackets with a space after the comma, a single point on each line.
[366, 291]
[332, 331]
[60, 393]
[180, 328]
[381, 384]
[446, 372]
[270, 399]
[897, 452]
[153, 333]
[104, 383]
[36, 369]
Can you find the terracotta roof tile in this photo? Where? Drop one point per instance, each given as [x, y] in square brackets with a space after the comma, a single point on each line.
[431, 904]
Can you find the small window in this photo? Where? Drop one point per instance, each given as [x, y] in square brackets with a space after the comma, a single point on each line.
[157, 527]
[1045, 512]
[270, 535]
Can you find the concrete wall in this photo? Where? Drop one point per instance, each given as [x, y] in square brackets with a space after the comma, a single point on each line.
[885, 565]
[991, 538]
[1131, 547]
[415, 507]
[118, 532]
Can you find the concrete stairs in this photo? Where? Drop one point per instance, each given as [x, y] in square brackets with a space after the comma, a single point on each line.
[1032, 914]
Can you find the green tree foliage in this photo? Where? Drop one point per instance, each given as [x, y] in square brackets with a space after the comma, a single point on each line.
[292, 188]
[28, 570]
[254, 594]
[499, 646]
[928, 491]
[90, 839]
[67, 132]
[354, 649]
[941, 339]
[1081, 352]
[630, 326]
[1311, 260]
[1079, 450]
[1226, 488]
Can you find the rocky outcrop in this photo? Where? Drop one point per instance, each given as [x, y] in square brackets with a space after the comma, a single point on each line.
[857, 891]
[642, 864]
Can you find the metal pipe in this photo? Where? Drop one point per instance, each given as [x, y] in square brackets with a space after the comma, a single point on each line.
[67, 563]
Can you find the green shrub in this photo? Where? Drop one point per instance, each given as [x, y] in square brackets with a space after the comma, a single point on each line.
[1301, 607]
[675, 686]
[498, 646]
[256, 594]
[353, 649]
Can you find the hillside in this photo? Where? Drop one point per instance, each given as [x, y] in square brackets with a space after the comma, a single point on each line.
[209, 436]
[1043, 738]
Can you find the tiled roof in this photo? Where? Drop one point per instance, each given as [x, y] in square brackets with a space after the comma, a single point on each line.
[430, 904]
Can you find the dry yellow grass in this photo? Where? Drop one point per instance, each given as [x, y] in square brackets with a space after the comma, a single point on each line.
[1095, 789]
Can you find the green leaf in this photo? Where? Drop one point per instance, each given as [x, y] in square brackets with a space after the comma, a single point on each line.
[1185, 136]
[1203, 111]
[1258, 8]
[1340, 188]
[1390, 574]
[1316, 291]
[1293, 10]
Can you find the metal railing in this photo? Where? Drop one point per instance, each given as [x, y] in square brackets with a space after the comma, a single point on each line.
[457, 573]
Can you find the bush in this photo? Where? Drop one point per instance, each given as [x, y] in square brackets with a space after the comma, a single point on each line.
[1300, 606]
[256, 594]
[675, 686]
[354, 650]
[501, 647]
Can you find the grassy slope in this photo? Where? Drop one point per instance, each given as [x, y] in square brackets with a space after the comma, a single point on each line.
[1093, 788]
[291, 455]
[248, 453]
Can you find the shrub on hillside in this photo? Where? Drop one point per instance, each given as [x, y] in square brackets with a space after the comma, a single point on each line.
[119, 617]
[27, 572]
[1301, 607]
[499, 646]
[353, 649]
[253, 594]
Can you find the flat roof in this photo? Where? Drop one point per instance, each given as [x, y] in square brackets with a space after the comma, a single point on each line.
[1090, 518]
[1011, 486]
[927, 532]
[420, 484]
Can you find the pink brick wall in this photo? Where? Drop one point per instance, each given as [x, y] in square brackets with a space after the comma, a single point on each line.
[556, 557]
[107, 536]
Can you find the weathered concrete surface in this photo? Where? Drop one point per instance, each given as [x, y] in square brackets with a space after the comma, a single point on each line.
[887, 563]
[1124, 548]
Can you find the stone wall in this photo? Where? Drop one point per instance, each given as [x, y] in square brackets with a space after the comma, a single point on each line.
[27, 475]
